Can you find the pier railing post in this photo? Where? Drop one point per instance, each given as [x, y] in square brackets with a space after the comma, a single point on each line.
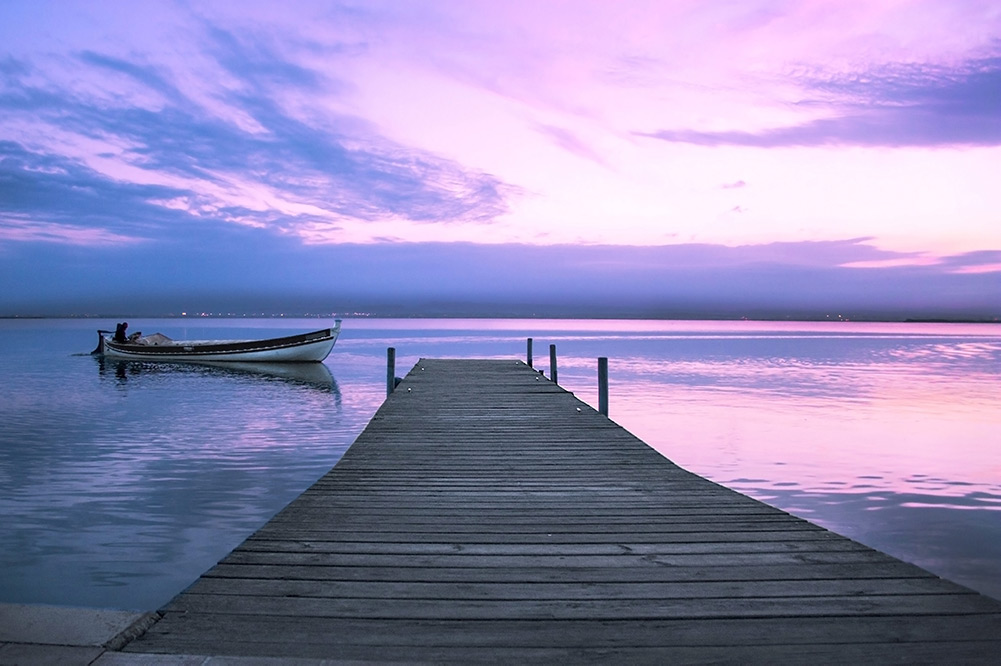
[603, 385]
[390, 370]
[552, 363]
[530, 352]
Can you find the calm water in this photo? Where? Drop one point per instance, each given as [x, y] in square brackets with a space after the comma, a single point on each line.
[120, 483]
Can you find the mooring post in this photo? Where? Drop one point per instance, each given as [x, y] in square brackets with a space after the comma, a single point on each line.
[530, 352]
[552, 363]
[603, 385]
[390, 370]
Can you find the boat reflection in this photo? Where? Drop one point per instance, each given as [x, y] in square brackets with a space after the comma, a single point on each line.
[312, 375]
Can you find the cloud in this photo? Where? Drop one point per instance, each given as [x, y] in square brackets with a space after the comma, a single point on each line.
[13, 229]
[147, 76]
[248, 157]
[890, 106]
[734, 186]
[984, 261]
[44, 196]
[570, 142]
[11, 69]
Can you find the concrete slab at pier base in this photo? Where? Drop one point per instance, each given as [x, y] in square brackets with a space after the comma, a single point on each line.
[39, 635]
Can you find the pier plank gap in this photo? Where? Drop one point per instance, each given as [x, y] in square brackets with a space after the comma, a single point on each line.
[486, 514]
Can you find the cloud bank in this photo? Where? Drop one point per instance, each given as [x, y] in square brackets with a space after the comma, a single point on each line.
[234, 272]
[891, 106]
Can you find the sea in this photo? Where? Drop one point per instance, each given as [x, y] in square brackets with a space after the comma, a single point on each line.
[122, 482]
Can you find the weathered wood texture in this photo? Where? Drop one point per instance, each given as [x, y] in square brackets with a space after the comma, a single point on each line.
[485, 514]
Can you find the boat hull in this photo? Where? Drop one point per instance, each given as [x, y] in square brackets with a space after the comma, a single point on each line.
[310, 347]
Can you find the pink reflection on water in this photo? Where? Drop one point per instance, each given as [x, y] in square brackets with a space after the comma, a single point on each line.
[897, 447]
[892, 442]
[894, 426]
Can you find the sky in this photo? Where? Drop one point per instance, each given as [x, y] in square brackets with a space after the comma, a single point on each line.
[677, 158]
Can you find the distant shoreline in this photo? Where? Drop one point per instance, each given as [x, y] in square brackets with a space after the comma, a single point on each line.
[626, 317]
[951, 321]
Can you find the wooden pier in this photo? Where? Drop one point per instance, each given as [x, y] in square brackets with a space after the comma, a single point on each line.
[486, 514]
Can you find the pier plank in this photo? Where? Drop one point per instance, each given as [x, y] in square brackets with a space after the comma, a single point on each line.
[486, 514]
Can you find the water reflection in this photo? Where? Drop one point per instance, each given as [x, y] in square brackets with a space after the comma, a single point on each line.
[891, 442]
[314, 375]
[957, 537]
[118, 487]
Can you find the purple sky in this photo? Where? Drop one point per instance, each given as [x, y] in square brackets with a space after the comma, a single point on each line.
[670, 158]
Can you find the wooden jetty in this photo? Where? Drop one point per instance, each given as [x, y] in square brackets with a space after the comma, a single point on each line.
[486, 514]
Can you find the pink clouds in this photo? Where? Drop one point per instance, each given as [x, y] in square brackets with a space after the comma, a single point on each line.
[63, 234]
[593, 123]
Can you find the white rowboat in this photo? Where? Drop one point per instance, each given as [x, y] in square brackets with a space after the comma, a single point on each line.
[310, 347]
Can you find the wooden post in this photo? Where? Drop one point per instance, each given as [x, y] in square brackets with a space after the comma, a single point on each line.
[530, 352]
[603, 385]
[390, 370]
[552, 363]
